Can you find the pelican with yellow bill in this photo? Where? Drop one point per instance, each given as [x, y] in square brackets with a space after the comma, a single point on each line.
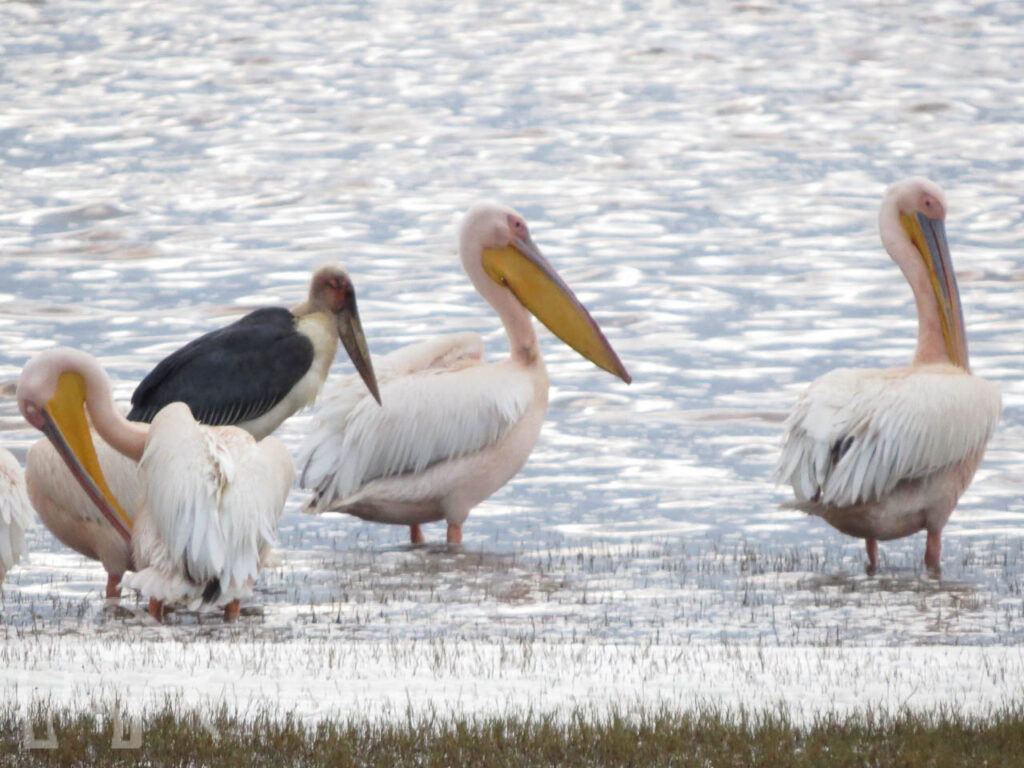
[253, 373]
[208, 498]
[452, 429]
[882, 454]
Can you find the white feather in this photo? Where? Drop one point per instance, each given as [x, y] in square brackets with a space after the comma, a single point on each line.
[15, 512]
[439, 404]
[66, 510]
[213, 498]
[896, 425]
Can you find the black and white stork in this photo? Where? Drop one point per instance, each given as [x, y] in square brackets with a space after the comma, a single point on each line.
[262, 368]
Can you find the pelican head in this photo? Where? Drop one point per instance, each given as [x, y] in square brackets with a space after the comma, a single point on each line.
[912, 223]
[497, 250]
[331, 291]
[52, 393]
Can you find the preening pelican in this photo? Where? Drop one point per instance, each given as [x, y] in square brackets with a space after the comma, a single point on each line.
[452, 429]
[255, 373]
[68, 511]
[15, 512]
[881, 454]
[262, 368]
[210, 496]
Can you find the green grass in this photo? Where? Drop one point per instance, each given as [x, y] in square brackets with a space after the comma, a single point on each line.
[662, 737]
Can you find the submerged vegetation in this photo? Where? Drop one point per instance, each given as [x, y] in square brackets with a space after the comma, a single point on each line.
[355, 648]
[173, 737]
[705, 590]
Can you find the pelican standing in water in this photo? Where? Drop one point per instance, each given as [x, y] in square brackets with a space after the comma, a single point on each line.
[452, 429]
[882, 454]
[15, 512]
[210, 496]
[253, 373]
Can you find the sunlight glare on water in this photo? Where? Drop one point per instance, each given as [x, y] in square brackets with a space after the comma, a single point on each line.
[706, 177]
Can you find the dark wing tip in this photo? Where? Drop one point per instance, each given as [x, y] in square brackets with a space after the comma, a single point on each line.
[143, 415]
[840, 448]
[212, 590]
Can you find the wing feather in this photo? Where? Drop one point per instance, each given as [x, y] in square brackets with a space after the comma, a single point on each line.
[439, 404]
[252, 509]
[856, 434]
[234, 374]
[215, 497]
[448, 352]
[185, 471]
[15, 512]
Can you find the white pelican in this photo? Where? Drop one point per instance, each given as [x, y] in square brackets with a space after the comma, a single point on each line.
[15, 512]
[262, 368]
[71, 515]
[210, 496]
[881, 454]
[452, 429]
[255, 373]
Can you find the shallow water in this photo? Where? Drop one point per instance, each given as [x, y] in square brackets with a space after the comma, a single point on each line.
[706, 178]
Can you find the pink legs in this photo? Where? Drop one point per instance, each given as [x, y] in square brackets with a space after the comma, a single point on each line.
[232, 610]
[454, 534]
[113, 585]
[932, 552]
[872, 547]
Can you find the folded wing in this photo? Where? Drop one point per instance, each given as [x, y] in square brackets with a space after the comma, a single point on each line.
[855, 435]
[439, 403]
[230, 375]
[214, 498]
[15, 512]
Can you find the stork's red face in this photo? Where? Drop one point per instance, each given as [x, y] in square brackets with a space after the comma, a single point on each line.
[336, 291]
[332, 290]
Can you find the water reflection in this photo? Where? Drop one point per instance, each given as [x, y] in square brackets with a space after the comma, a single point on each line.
[708, 177]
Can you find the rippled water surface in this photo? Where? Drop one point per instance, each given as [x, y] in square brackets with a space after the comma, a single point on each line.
[707, 177]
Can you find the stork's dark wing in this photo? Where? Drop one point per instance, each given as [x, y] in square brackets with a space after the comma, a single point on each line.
[230, 375]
